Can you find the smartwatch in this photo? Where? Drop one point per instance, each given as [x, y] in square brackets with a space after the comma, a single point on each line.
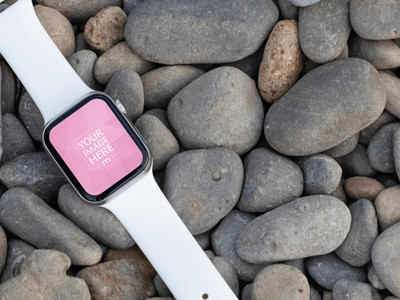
[104, 157]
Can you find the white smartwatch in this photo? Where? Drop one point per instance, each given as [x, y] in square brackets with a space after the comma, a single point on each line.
[104, 158]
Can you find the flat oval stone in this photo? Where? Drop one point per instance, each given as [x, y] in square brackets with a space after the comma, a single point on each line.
[360, 187]
[388, 206]
[324, 29]
[31, 117]
[83, 63]
[307, 226]
[346, 289]
[270, 180]
[221, 108]
[392, 87]
[203, 186]
[217, 32]
[325, 107]
[356, 163]
[3, 248]
[44, 227]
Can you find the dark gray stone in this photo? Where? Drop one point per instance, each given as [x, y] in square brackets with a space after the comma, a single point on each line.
[344, 148]
[246, 292]
[203, 115]
[30, 218]
[3, 248]
[302, 3]
[8, 89]
[340, 193]
[392, 87]
[396, 151]
[217, 32]
[314, 294]
[160, 114]
[204, 240]
[288, 10]
[31, 117]
[83, 63]
[297, 263]
[126, 87]
[367, 133]
[307, 226]
[227, 272]
[374, 278]
[388, 207]
[346, 289]
[325, 107]
[3, 7]
[356, 163]
[161, 287]
[324, 29]
[326, 270]
[203, 186]
[80, 42]
[130, 4]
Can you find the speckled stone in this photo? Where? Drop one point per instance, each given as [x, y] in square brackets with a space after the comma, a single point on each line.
[360, 187]
[388, 206]
[31, 117]
[374, 279]
[356, 163]
[367, 134]
[83, 63]
[346, 289]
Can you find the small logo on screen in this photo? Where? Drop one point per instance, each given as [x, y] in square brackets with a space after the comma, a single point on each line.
[96, 148]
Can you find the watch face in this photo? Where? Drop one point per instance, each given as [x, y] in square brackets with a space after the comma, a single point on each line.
[96, 147]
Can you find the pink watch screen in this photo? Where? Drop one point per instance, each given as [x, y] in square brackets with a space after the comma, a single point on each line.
[96, 147]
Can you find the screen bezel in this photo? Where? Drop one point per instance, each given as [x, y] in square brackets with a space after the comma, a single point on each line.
[66, 170]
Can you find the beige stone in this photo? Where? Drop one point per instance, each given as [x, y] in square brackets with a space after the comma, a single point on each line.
[387, 205]
[360, 187]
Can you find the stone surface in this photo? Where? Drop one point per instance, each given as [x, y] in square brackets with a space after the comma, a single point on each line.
[360, 187]
[96, 221]
[80, 42]
[356, 163]
[161, 142]
[326, 270]
[314, 294]
[346, 289]
[126, 87]
[207, 31]
[3, 248]
[307, 226]
[340, 193]
[367, 134]
[30, 218]
[8, 89]
[221, 108]
[117, 279]
[204, 240]
[246, 292]
[250, 64]
[374, 278]
[288, 10]
[325, 107]
[227, 272]
[203, 186]
[119, 57]
[282, 61]
[270, 180]
[161, 287]
[344, 148]
[324, 29]
[106, 28]
[396, 151]
[392, 87]
[161, 114]
[162, 84]
[302, 3]
[58, 27]
[83, 63]
[387, 205]
[356, 248]
[31, 117]
[280, 281]
[34, 171]
[43, 276]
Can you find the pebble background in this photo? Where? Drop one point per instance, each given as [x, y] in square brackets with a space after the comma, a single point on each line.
[275, 131]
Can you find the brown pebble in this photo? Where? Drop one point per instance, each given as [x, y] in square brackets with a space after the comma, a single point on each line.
[360, 187]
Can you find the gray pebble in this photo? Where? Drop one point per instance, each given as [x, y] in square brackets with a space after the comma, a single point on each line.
[344, 148]
[126, 87]
[203, 186]
[297, 263]
[246, 292]
[160, 114]
[208, 32]
[8, 89]
[346, 289]
[396, 151]
[227, 272]
[367, 134]
[307, 226]
[96, 221]
[3, 248]
[344, 54]
[380, 149]
[356, 163]
[129, 5]
[204, 240]
[305, 121]
[270, 180]
[356, 248]
[3, 7]
[161, 287]
[15, 139]
[374, 278]
[324, 29]
[202, 114]
[392, 86]
[314, 294]
[29, 217]
[327, 269]
[80, 42]
[391, 298]
[288, 10]
[83, 63]
[223, 241]
[31, 117]
[161, 142]
[340, 192]
[302, 3]
[388, 207]
[327, 295]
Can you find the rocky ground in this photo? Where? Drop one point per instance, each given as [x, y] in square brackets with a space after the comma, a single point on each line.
[275, 131]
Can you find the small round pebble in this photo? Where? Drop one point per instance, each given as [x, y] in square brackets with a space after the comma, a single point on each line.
[356, 163]
[161, 114]
[346, 289]
[31, 117]
[246, 292]
[8, 88]
[80, 42]
[3, 248]
[288, 10]
[396, 151]
[83, 63]
[227, 272]
[360, 187]
[344, 148]
[387, 205]
[340, 193]
[367, 134]
[392, 86]
[374, 279]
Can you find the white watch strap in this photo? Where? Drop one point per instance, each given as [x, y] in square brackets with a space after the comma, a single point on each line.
[42, 69]
[148, 216]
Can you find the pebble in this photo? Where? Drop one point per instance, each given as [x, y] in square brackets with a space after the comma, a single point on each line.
[96, 221]
[208, 31]
[344, 148]
[280, 281]
[396, 151]
[382, 24]
[321, 173]
[346, 289]
[356, 163]
[270, 180]
[202, 114]
[380, 149]
[249, 65]
[43, 276]
[3, 248]
[307, 226]
[30, 218]
[160, 114]
[126, 87]
[360, 187]
[119, 57]
[282, 61]
[324, 29]
[305, 121]
[31, 117]
[80, 42]
[388, 207]
[15, 138]
[392, 87]
[204, 240]
[302, 3]
[227, 272]
[161, 142]
[106, 28]
[161, 287]
[356, 248]
[58, 27]
[288, 10]
[117, 279]
[83, 63]
[162, 84]
[367, 134]
[340, 193]
[3, 7]
[297, 263]
[374, 278]
[246, 292]
[78, 11]
[314, 294]
[327, 295]
[203, 186]
[223, 239]
[8, 89]
[327, 269]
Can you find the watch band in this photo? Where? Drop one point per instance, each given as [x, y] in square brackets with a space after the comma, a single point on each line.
[167, 243]
[50, 80]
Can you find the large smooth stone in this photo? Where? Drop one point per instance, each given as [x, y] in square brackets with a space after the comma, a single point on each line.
[325, 107]
[190, 32]
[308, 226]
